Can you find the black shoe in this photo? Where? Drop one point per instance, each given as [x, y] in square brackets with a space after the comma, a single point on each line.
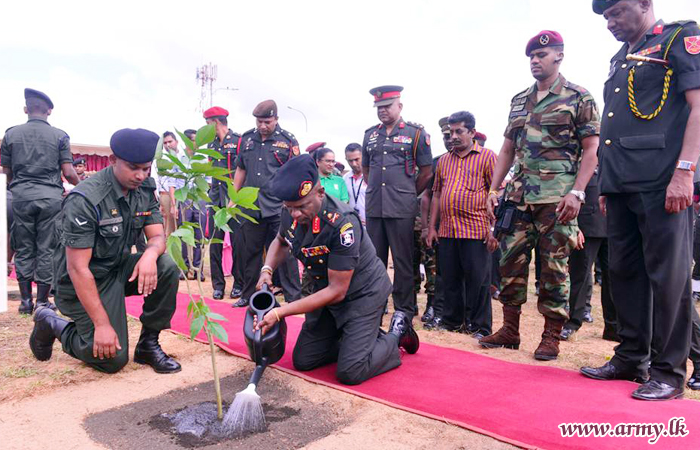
[218, 294]
[610, 335]
[587, 317]
[47, 328]
[566, 333]
[202, 277]
[442, 326]
[148, 351]
[42, 296]
[408, 338]
[479, 335]
[429, 315]
[694, 380]
[241, 303]
[434, 325]
[609, 372]
[537, 288]
[386, 308]
[26, 305]
[657, 390]
[236, 292]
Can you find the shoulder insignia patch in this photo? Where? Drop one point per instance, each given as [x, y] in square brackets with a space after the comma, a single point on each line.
[346, 227]
[295, 150]
[332, 217]
[692, 44]
[347, 238]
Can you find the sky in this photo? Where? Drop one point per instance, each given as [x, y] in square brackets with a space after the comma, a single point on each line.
[128, 64]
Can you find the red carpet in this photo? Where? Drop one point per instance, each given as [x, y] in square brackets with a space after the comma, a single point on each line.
[516, 403]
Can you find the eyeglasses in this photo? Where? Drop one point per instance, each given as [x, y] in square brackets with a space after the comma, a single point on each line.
[328, 161]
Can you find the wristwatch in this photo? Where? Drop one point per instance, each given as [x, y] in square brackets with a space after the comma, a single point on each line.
[685, 165]
[581, 195]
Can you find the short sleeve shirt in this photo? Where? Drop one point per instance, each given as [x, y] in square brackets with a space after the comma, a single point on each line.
[35, 151]
[547, 136]
[335, 186]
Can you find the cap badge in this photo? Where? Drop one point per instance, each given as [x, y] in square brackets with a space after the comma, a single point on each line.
[544, 39]
[305, 188]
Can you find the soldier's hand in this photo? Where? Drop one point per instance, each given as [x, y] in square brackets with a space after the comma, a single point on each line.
[679, 193]
[603, 205]
[580, 240]
[432, 237]
[268, 321]
[424, 235]
[146, 270]
[265, 278]
[105, 342]
[491, 204]
[491, 243]
[568, 208]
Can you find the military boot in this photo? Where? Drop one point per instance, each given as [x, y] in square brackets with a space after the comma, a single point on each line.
[42, 296]
[47, 328]
[509, 335]
[26, 305]
[148, 351]
[548, 349]
[429, 314]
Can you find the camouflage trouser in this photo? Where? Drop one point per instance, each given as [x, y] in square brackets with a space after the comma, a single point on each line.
[555, 241]
[426, 256]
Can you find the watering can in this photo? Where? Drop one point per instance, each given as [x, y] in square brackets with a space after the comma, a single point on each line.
[267, 349]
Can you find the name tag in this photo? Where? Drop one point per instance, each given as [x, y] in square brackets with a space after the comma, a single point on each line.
[111, 221]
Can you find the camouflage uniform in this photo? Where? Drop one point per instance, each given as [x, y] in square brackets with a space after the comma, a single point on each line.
[547, 137]
[426, 256]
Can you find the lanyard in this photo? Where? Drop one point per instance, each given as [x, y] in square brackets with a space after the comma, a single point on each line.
[356, 195]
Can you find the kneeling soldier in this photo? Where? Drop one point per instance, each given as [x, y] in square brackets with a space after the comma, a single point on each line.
[94, 269]
[351, 286]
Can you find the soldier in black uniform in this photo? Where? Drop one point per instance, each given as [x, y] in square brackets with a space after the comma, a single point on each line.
[264, 149]
[33, 157]
[94, 268]
[649, 144]
[397, 163]
[228, 144]
[351, 285]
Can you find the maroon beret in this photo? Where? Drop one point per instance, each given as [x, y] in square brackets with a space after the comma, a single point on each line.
[313, 147]
[479, 136]
[545, 38]
[265, 109]
[215, 111]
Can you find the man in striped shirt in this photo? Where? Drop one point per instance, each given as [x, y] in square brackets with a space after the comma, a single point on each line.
[460, 189]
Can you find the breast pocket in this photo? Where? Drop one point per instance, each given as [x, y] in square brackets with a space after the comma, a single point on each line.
[556, 128]
[109, 240]
[648, 77]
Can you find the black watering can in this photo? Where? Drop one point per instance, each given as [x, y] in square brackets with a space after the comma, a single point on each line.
[267, 349]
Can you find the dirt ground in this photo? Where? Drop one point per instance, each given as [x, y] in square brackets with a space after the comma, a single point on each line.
[64, 396]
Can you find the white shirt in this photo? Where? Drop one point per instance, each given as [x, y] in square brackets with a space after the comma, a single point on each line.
[356, 190]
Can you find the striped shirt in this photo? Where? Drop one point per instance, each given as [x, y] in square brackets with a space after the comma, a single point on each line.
[464, 185]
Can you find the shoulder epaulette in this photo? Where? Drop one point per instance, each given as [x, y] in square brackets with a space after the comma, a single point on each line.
[372, 128]
[519, 94]
[251, 131]
[575, 87]
[10, 128]
[679, 22]
[287, 134]
[415, 124]
[94, 189]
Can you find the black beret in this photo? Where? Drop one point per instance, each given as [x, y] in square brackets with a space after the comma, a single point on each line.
[295, 179]
[78, 161]
[33, 93]
[599, 6]
[266, 109]
[135, 146]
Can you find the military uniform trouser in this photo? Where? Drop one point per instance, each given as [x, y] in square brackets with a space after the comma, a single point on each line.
[422, 254]
[361, 349]
[396, 234]
[650, 256]
[218, 281]
[256, 239]
[555, 241]
[580, 265]
[33, 240]
[696, 249]
[158, 308]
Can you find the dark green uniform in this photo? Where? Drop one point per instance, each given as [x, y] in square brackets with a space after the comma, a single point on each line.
[347, 332]
[35, 151]
[98, 215]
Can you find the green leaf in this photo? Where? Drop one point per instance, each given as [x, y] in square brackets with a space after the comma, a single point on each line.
[187, 235]
[188, 142]
[190, 308]
[164, 164]
[221, 217]
[198, 158]
[159, 149]
[246, 197]
[175, 160]
[174, 248]
[218, 331]
[205, 135]
[216, 316]
[216, 241]
[190, 225]
[209, 152]
[196, 326]
[203, 195]
[201, 184]
[238, 212]
[181, 194]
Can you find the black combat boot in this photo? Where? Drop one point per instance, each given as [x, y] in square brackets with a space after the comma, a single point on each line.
[42, 296]
[401, 326]
[26, 305]
[148, 351]
[47, 328]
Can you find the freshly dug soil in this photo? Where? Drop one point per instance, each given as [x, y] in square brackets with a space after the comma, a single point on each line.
[293, 420]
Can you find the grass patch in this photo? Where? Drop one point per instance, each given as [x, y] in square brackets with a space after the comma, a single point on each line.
[19, 372]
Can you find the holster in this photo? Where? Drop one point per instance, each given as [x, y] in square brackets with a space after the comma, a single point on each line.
[507, 214]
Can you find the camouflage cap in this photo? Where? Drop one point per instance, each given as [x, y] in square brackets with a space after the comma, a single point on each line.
[266, 109]
[444, 125]
[599, 6]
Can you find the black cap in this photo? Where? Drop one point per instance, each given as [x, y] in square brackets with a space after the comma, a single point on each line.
[136, 146]
[265, 109]
[599, 6]
[33, 93]
[78, 161]
[385, 95]
[295, 179]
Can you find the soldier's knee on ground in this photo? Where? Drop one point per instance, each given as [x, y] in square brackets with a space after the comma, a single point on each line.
[112, 365]
[349, 375]
[301, 362]
[167, 269]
